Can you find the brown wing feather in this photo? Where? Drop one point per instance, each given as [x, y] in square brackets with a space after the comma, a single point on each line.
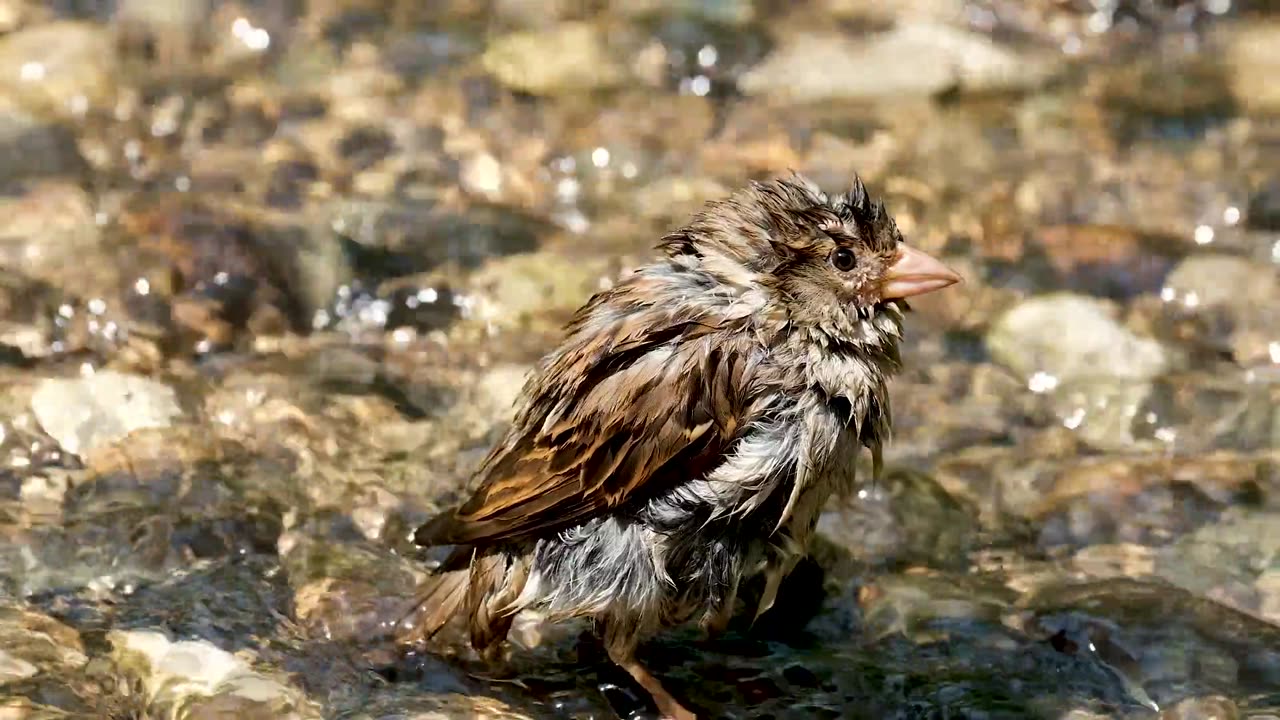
[621, 410]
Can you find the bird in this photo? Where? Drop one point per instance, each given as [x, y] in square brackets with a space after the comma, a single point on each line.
[689, 428]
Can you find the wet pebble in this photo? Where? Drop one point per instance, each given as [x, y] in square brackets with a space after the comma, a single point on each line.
[1252, 62]
[1055, 338]
[47, 231]
[905, 518]
[205, 680]
[97, 409]
[1238, 302]
[571, 57]
[32, 148]
[1143, 499]
[912, 59]
[347, 591]
[32, 643]
[536, 288]
[1162, 642]
[64, 68]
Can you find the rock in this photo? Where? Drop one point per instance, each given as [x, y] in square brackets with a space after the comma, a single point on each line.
[46, 233]
[1062, 337]
[916, 59]
[199, 677]
[343, 591]
[89, 412]
[671, 198]
[915, 604]
[1101, 410]
[1165, 87]
[572, 57]
[30, 147]
[1223, 559]
[518, 289]
[64, 67]
[32, 643]
[905, 519]
[1251, 58]
[1211, 707]
[1264, 206]
[1237, 300]
[729, 12]
[1208, 280]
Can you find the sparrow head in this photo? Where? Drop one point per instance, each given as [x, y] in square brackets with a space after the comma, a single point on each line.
[833, 265]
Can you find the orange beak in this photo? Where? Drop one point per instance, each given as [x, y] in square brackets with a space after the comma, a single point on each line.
[915, 273]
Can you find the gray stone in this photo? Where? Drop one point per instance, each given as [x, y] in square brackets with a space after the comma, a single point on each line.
[918, 59]
[46, 233]
[63, 68]
[1246, 293]
[30, 147]
[572, 57]
[1251, 58]
[192, 673]
[1061, 337]
[88, 412]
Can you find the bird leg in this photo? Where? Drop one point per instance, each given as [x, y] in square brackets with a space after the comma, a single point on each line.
[622, 651]
[716, 622]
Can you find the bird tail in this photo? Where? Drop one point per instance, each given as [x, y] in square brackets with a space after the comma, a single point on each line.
[439, 598]
[487, 586]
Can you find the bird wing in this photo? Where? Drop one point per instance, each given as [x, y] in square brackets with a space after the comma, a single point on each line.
[622, 410]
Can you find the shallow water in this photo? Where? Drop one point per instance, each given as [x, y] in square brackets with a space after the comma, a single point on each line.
[273, 273]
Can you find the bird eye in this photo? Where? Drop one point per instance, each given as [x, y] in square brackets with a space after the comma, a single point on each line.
[843, 259]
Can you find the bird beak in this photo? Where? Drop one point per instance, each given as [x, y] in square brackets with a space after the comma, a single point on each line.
[915, 273]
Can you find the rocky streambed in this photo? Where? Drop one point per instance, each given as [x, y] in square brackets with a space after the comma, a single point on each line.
[272, 272]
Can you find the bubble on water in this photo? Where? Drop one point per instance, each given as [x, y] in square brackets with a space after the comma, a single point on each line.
[1042, 382]
[1204, 235]
[1231, 215]
[699, 85]
[31, 72]
[142, 286]
[567, 189]
[707, 56]
[1099, 22]
[254, 38]
[600, 157]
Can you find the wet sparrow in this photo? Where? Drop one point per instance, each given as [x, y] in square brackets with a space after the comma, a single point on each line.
[690, 427]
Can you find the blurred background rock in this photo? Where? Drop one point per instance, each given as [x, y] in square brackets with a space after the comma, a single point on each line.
[272, 272]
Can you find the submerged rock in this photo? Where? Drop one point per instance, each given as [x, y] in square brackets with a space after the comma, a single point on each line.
[31, 147]
[205, 680]
[63, 67]
[572, 57]
[89, 412]
[1237, 302]
[32, 643]
[1068, 337]
[914, 59]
